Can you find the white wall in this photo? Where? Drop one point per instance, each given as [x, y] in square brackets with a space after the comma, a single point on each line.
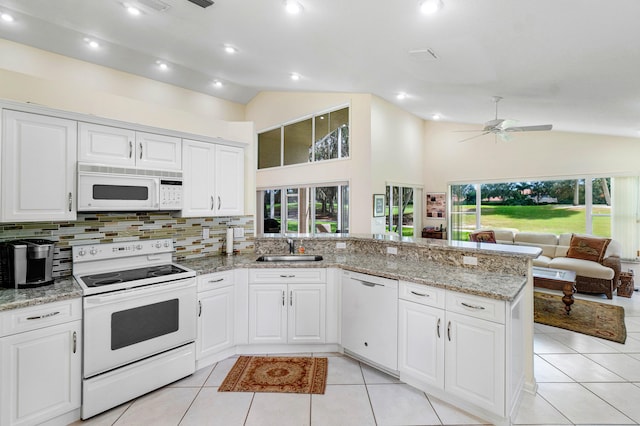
[269, 109]
[32, 75]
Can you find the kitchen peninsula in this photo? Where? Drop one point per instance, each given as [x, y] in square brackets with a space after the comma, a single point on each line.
[469, 301]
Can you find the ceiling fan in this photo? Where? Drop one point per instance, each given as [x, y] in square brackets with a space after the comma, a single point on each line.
[502, 128]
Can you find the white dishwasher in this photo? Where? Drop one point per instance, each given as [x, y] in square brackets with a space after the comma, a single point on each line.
[370, 319]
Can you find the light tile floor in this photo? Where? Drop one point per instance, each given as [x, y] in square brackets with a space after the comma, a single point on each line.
[582, 380]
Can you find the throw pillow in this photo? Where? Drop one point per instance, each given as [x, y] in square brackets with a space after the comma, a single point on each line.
[588, 248]
[483, 237]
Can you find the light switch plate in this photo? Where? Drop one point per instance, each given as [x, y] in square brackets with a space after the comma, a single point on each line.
[205, 233]
[238, 232]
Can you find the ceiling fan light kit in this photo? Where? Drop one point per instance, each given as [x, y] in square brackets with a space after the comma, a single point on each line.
[501, 127]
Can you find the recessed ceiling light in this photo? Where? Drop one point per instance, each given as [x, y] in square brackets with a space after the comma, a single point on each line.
[230, 49]
[293, 7]
[6, 17]
[436, 116]
[400, 96]
[429, 7]
[91, 43]
[295, 76]
[162, 65]
[217, 84]
[133, 11]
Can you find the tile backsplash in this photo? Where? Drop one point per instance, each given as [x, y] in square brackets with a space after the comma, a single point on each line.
[92, 228]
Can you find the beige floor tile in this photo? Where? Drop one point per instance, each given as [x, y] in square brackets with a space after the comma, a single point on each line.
[582, 343]
[213, 408]
[165, 406]
[536, 410]
[280, 409]
[623, 365]
[342, 405]
[107, 418]
[197, 379]
[374, 376]
[624, 396]
[399, 404]
[344, 371]
[452, 415]
[580, 368]
[545, 372]
[580, 405]
[220, 371]
[545, 343]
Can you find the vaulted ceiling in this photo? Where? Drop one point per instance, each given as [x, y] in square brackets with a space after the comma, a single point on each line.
[572, 63]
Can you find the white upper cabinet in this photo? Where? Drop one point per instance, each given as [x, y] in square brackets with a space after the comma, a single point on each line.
[213, 179]
[38, 167]
[128, 148]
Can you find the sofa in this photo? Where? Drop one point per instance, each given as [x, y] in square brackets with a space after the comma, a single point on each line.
[591, 276]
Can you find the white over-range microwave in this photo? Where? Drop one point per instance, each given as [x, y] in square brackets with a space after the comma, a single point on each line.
[108, 188]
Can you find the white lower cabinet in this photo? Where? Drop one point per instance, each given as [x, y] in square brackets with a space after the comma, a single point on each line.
[216, 312]
[40, 363]
[293, 311]
[457, 345]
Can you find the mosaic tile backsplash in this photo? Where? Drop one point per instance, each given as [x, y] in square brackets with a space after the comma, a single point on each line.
[92, 228]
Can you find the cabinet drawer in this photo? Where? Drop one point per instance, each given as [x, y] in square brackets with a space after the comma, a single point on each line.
[215, 280]
[476, 306]
[422, 294]
[288, 275]
[34, 317]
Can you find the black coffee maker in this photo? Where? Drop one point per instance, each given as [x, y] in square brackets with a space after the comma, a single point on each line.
[26, 263]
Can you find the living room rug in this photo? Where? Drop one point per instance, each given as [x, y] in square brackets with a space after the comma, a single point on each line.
[277, 374]
[591, 318]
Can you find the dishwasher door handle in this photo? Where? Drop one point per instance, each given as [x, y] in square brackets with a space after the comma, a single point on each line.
[369, 284]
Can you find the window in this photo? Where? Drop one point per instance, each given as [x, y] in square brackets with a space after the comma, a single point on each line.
[307, 209]
[400, 210]
[324, 136]
[581, 205]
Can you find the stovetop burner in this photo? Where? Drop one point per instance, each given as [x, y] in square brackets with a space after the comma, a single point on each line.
[97, 280]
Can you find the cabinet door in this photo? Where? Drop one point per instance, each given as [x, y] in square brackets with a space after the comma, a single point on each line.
[40, 374]
[198, 179]
[267, 313]
[475, 359]
[421, 343]
[106, 145]
[38, 167]
[307, 313]
[229, 180]
[158, 151]
[215, 321]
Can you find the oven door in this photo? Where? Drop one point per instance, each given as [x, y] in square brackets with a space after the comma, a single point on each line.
[129, 325]
[116, 192]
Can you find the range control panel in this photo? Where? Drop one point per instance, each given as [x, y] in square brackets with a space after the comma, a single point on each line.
[91, 252]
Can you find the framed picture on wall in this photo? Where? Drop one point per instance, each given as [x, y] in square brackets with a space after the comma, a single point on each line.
[378, 205]
[437, 205]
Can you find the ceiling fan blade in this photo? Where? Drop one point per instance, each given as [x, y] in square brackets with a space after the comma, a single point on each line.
[504, 137]
[473, 137]
[466, 131]
[539, 128]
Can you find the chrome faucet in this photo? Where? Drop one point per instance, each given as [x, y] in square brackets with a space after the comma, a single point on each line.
[290, 242]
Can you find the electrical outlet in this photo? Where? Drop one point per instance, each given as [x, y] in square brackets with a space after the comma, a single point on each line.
[205, 233]
[392, 250]
[341, 245]
[238, 232]
[470, 260]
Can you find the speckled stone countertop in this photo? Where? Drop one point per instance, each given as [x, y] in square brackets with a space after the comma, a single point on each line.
[61, 289]
[481, 283]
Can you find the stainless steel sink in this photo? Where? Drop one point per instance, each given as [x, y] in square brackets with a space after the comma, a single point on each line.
[289, 258]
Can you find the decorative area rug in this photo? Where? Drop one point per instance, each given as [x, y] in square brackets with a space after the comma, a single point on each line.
[277, 374]
[591, 318]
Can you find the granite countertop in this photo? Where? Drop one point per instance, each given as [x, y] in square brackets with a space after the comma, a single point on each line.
[480, 283]
[62, 289]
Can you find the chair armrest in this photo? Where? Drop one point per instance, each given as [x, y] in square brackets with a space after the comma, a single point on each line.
[613, 262]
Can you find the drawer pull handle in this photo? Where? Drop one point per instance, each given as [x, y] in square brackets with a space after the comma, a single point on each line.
[216, 281]
[50, 314]
[287, 276]
[75, 342]
[438, 327]
[419, 294]
[466, 305]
